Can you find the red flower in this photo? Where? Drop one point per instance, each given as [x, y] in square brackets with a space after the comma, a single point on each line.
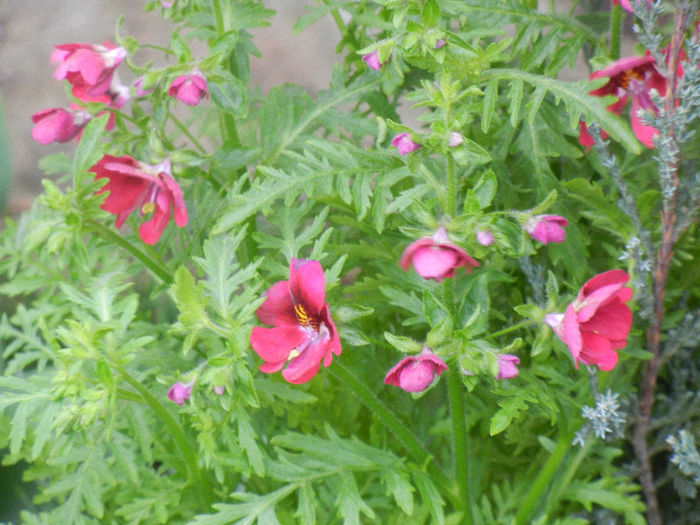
[190, 89]
[302, 333]
[630, 77]
[58, 124]
[416, 373]
[436, 257]
[151, 189]
[547, 228]
[598, 321]
[89, 68]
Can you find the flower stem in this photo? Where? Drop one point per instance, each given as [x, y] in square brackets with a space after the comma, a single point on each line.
[419, 453]
[195, 475]
[155, 266]
[187, 133]
[460, 442]
[543, 479]
[509, 329]
[451, 187]
[227, 123]
[615, 30]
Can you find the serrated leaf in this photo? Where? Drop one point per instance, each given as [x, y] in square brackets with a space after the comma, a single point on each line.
[88, 151]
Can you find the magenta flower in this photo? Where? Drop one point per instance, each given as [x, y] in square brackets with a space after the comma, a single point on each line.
[597, 323]
[633, 78]
[88, 68]
[180, 392]
[436, 257]
[372, 60]
[439, 43]
[303, 333]
[404, 144]
[58, 124]
[416, 373]
[627, 4]
[219, 389]
[189, 89]
[507, 368]
[547, 228]
[484, 237]
[150, 189]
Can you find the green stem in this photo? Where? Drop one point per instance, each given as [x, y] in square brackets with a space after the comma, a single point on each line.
[419, 453]
[460, 443]
[227, 123]
[195, 475]
[509, 329]
[155, 266]
[615, 31]
[187, 133]
[536, 492]
[451, 187]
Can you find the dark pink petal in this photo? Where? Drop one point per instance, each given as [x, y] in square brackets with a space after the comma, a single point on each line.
[405, 259]
[124, 190]
[416, 376]
[621, 66]
[333, 346]
[570, 333]
[645, 134]
[434, 262]
[603, 279]
[151, 230]
[278, 308]
[274, 344]
[612, 321]
[307, 285]
[597, 350]
[177, 202]
[271, 368]
[305, 366]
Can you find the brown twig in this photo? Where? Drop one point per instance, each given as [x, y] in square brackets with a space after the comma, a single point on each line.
[663, 260]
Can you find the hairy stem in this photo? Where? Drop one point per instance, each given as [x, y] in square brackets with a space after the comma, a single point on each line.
[199, 481]
[398, 428]
[615, 27]
[156, 267]
[664, 255]
[543, 479]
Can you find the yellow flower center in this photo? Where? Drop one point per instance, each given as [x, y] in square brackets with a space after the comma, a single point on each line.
[148, 207]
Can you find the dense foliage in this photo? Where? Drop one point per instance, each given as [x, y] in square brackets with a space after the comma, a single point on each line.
[450, 251]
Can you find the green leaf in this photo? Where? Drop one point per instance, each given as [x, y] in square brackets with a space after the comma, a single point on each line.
[403, 344]
[229, 94]
[578, 102]
[89, 150]
[490, 98]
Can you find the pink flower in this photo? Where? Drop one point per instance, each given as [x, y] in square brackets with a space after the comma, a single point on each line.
[484, 237]
[189, 89]
[58, 124]
[416, 373]
[151, 189]
[547, 228]
[180, 392]
[633, 78]
[219, 389]
[455, 139]
[303, 333]
[167, 3]
[436, 257]
[372, 60]
[89, 68]
[507, 368]
[439, 43]
[140, 92]
[627, 4]
[404, 144]
[598, 321]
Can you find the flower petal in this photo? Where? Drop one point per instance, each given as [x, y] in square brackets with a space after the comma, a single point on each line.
[307, 285]
[274, 344]
[278, 308]
[612, 321]
[433, 261]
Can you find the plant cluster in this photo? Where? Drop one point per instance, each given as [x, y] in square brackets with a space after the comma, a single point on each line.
[470, 278]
